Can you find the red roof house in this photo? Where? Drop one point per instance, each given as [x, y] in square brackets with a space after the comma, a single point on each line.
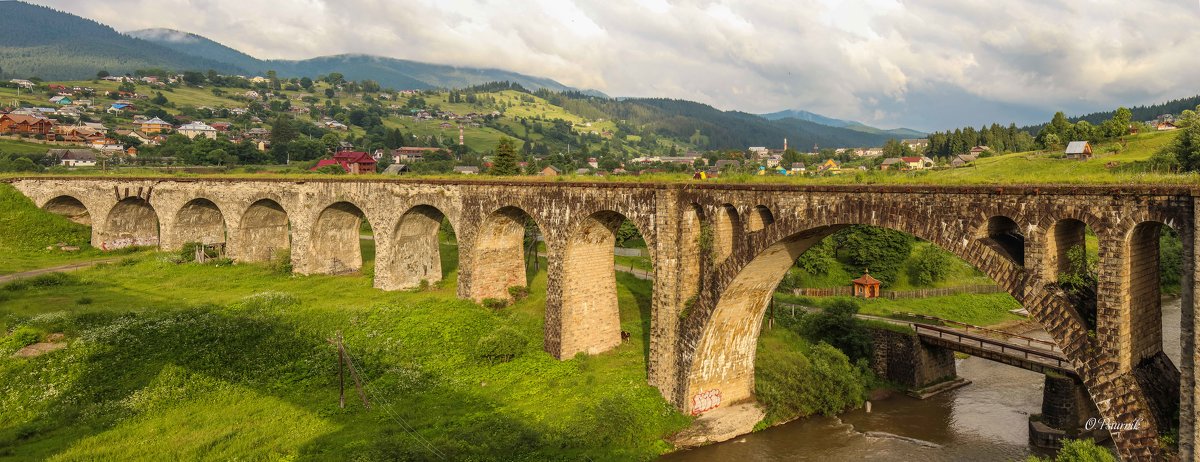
[353, 162]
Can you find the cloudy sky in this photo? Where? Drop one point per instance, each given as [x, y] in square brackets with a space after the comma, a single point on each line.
[921, 64]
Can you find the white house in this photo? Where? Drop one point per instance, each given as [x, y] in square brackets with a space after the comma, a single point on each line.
[197, 128]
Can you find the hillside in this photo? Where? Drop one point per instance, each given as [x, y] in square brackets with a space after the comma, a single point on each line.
[195, 45]
[808, 116]
[46, 43]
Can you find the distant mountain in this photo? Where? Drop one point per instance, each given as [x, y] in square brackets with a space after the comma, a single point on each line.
[407, 75]
[731, 129]
[195, 45]
[896, 132]
[808, 116]
[839, 123]
[390, 72]
[42, 42]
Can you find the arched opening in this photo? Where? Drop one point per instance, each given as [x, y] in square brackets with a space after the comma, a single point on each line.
[592, 319]
[506, 254]
[265, 233]
[1153, 330]
[131, 223]
[759, 218]
[759, 345]
[1003, 235]
[69, 207]
[1072, 250]
[341, 241]
[200, 221]
[726, 229]
[693, 232]
[422, 237]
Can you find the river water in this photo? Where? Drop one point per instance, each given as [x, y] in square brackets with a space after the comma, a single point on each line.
[984, 421]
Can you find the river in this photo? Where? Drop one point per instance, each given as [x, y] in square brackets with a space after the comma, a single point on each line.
[984, 421]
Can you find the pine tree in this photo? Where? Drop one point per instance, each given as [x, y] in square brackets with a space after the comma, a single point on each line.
[505, 160]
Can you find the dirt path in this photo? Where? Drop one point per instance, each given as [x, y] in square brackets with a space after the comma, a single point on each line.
[55, 269]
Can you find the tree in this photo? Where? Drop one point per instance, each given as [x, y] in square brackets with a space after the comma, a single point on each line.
[505, 160]
[193, 77]
[894, 148]
[930, 265]
[329, 92]
[835, 325]
[159, 99]
[881, 250]
[331, 141]
[102, 74]
[1186, 147]
[282, 131]
[306, 83]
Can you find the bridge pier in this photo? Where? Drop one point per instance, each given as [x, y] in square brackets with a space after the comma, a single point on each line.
[904, 359]
[1067, 412]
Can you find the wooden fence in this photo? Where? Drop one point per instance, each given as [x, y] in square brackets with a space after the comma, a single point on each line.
[899, 294]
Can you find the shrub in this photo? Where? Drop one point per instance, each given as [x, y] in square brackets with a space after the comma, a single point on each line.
[502, 345]
[84, 301]
[836, 325]
[281, 262]
[795, 383]
[518, 293]
[931, 264]
[41, 281]
[495, 303]
[1079, 451]
[20, 338]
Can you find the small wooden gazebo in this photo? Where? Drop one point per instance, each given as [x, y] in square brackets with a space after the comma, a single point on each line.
[866, 286]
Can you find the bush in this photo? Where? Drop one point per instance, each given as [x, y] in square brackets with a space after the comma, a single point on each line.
[836, 325]
[1079, 451]
[931, 264]
[795, 383]
[495, 303]
[45, 280]
[281, 262]
[502, 345]
[20, 338]
[518, 293]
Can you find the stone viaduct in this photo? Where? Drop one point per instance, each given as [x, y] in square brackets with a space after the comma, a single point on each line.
[718, 252]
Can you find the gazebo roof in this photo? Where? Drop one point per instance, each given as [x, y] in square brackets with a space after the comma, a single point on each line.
[866, 280]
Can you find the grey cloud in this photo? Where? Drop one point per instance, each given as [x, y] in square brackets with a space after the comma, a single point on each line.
[926, 64]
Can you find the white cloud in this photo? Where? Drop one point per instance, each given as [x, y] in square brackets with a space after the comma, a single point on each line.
[879, 61]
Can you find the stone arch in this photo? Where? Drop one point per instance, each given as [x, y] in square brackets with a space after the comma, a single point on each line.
[722, 361]
[590, 318]
[759, 218]
[131, 222]
[1004, 235]
[264, 231]
[334, 242]
[415, 247]
[727, 227]
[499, 254]
[70, 207]
[200, 220]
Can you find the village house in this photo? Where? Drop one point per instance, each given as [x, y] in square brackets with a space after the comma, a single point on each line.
[25, 124]
[117, 108]
[722, 164]
[466, 170]
[797, 168]
[197, 128]
[891, 163]
[22, 83]
[550, 170]
[141, 137]
[978, 150]
[61, 100]
[412, 153]
[917, 145]
[77, 133]
[917, 163]
[962, 160]
[1165, 126]
[353, 162]
[221, 126]
[74, 157]
[396, 169]
[1079, 150]
[830, 166]
[155, 125]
